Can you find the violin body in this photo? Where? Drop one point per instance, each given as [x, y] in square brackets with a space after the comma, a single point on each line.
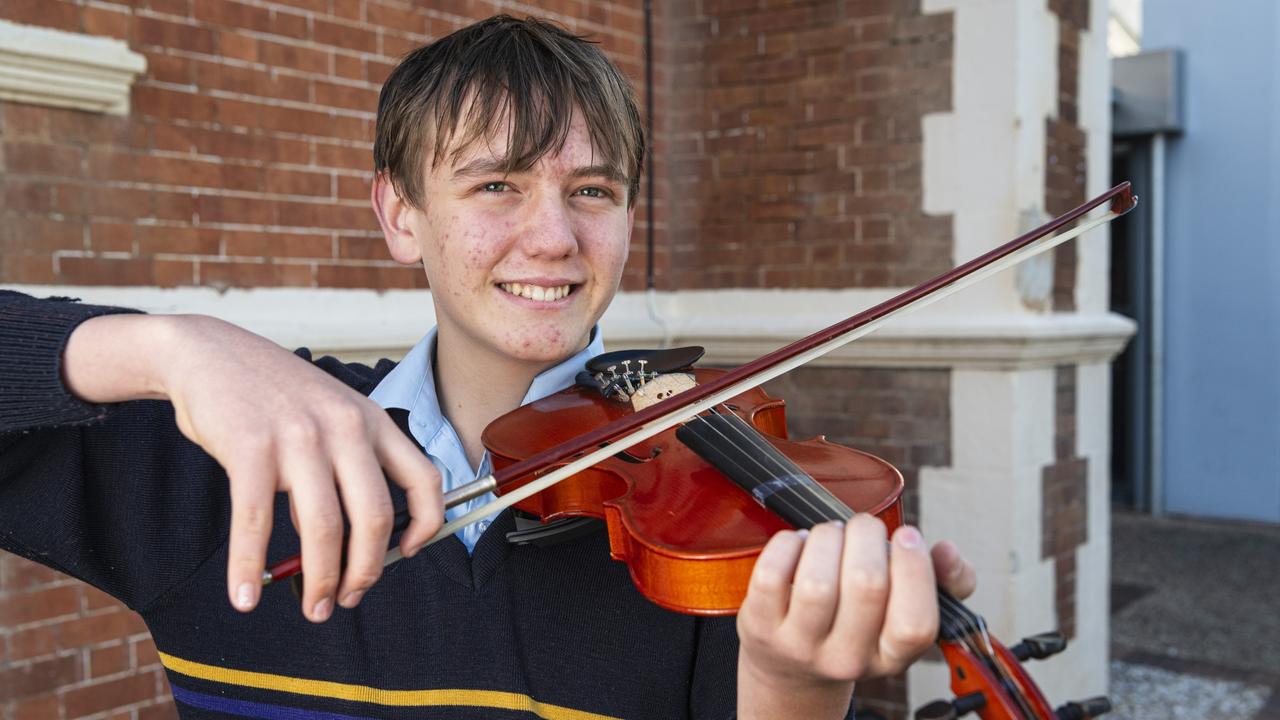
[688, 534]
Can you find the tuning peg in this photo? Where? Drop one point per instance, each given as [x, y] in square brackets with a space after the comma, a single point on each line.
[1039, 647]
[1085, 709]
[944, 710]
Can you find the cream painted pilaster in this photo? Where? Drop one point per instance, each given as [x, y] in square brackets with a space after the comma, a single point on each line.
[984, 163]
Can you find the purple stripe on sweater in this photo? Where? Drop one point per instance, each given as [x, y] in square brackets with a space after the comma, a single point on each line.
[244, 708]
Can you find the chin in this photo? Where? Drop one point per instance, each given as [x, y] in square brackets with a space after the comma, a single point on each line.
[539, 349]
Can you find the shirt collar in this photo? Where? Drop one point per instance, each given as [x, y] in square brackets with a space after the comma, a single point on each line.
[411, 384]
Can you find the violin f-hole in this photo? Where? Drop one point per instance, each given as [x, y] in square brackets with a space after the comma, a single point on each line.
[627, 457]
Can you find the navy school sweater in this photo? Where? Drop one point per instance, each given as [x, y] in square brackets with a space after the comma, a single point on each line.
[116, 496]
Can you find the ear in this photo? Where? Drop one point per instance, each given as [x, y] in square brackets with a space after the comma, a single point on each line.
[394, 215]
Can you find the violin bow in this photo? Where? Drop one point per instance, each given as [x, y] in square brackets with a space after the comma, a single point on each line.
[607, 440]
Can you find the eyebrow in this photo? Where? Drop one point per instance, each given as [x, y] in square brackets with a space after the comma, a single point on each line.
[489, 166]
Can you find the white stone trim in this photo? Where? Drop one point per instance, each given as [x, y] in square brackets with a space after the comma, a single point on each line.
[734, 325]
[984, 163]
[41, 66]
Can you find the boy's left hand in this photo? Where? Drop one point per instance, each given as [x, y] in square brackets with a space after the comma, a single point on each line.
[838, 605]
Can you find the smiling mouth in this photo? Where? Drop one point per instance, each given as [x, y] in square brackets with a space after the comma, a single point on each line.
[537, 292]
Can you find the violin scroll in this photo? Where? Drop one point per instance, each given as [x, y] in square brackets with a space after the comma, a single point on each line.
[989, 680]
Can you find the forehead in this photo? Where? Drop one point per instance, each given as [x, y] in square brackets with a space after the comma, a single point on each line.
[475, 140]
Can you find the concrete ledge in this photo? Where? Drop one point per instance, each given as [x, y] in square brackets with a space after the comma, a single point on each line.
[739, 325]
[40, 66]
[734, 325]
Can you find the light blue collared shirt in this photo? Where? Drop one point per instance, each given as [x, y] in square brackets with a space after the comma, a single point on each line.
[411, 386]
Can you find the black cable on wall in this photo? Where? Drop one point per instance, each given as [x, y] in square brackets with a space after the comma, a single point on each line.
[648, 111]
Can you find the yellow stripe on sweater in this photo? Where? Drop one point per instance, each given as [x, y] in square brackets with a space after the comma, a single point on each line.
[376, 696]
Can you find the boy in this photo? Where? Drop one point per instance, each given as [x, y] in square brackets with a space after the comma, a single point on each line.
[507, 158]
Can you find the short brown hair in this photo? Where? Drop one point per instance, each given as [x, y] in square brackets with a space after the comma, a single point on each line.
[533, 71]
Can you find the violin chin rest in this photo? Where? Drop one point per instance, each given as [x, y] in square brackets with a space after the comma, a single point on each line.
[659, 361]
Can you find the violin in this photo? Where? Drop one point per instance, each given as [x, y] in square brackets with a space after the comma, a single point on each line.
[692, 472]
[690, 539]
[689, 509]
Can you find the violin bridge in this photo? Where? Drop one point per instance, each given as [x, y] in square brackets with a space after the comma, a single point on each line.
[660, 388]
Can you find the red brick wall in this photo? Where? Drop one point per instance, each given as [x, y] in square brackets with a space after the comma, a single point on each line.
[69, 651]
[787, 154]
[794, 152]
[1064, 146]
[244, 162]
[245, 159]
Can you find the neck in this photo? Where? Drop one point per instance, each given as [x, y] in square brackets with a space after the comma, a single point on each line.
[475, 388]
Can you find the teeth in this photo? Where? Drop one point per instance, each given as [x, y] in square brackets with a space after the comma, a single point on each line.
[536, 292]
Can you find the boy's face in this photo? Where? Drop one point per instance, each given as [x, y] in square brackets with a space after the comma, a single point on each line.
[522, 266]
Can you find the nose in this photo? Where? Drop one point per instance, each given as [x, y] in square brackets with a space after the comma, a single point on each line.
[548, 231]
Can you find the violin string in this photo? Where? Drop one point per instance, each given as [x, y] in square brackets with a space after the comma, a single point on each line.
[811, 512]
[750, 473]
[946, 613]
[953, 616]
[835, 509]
[955, 619]
[800, 511]
[947, 610]
[985, 651]
[949, 615]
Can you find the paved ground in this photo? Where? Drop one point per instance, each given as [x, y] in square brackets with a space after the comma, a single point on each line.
[1195, 620]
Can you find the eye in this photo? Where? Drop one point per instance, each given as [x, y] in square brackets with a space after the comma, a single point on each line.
[594, 192]
[496, 186]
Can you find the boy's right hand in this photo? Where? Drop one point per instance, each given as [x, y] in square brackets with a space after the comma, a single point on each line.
[275, 423]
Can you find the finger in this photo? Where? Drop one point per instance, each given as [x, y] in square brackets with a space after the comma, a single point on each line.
[911, 618]
[410, 469]
[252, 506]
[769, 590]
[815, 589]
[864, 591]
[318, 518]
[954, 573]
[368, 509]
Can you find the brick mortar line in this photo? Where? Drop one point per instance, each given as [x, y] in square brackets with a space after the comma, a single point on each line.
[273, 134]
[235, 162]
[362, 24]
[275, 102]
[287, 229]
[211, 192]
[241, 259]
[260, 66]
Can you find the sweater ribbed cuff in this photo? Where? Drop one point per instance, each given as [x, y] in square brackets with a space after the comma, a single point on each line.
[33, 334]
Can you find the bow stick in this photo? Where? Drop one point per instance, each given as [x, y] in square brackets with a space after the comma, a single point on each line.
[607, 440]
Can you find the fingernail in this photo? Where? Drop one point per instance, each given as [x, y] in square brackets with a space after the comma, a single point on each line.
[245, 596]
[909, 537]
[803, 533]
[413, 550]
[352, 598]
[321, 611]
